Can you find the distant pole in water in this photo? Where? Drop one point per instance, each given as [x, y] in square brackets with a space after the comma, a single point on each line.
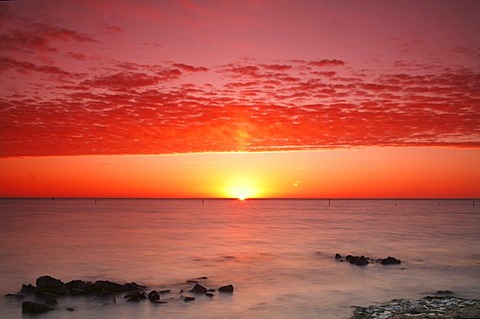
[203, 201]
[473, 203]
[95, 200]
[329, 202]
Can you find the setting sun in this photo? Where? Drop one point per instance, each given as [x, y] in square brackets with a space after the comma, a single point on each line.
[242, 189]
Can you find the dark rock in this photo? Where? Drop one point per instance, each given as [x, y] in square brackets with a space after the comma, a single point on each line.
[209, 294]
[199, 289]
[211, 290]
[28, 289]
[77, 292]
[166, 291]
[69, 309]
[187, 298]
[390, 261]
[133, 286]
[105, 286]
[50, 299]
[359, 261]
[135, 295]
[18, 296]
[444, 292]
[227, 288]
[349, 257]
[160, 301]
[153, 295]
[338, 256]
[34, 307]
[191, 281]
[51, 285]
[48, 281]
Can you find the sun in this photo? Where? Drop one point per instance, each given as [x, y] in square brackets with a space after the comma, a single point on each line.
[242, 191]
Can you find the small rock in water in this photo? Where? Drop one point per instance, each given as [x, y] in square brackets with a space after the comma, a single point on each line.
[69, 309]
[444, 292]
[34, 307]
[166, 291]
[390, 261]
[153, 295]
[187, 298]
[50, 299]
[28, 289]
[338, 256]
[199, 289]
[227, 288]
[209, 294]
[359, 261]
[135, 295]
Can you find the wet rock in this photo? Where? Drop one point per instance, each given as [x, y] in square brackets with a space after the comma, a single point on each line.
[187, 298]
[227, 288]
[69, 309]
[390, 261]
[359, 261]
[160, 302]
[211, 290]
[153, 295]
[105, 286]
[34, 307]
[444, 292]
[28, 289]
[209, 294]
[349, 257]
[338, 256]
[199, 289]
[135, 295]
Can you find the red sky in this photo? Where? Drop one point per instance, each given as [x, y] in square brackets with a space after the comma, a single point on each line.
[300, 83]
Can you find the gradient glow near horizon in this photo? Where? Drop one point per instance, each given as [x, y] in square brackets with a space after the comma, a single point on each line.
[240, 98]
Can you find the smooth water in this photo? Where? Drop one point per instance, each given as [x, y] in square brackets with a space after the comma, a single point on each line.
[278, 254]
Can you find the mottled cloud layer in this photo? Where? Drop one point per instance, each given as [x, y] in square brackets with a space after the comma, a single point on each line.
[58, 97]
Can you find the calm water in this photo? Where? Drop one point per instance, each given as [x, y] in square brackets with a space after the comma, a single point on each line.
[278, 254]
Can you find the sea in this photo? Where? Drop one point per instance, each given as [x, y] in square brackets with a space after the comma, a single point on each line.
[277, 253]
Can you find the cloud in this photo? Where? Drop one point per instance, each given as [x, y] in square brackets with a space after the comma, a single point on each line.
[132, 108]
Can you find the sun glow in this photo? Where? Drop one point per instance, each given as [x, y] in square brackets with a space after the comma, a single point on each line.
[242, 190]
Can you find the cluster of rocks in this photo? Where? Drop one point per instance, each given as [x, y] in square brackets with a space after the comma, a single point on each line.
[49, 289]
[438, 306]
[363, 261]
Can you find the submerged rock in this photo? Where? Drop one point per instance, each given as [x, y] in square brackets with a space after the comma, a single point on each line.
[187, 298]
[34, 307]
[338, 256]
[105, 286]
[227, 288]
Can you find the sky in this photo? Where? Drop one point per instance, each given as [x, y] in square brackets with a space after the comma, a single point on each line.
[240, 98]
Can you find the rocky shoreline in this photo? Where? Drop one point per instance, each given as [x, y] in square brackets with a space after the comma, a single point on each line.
[439, 306]
[45, 295]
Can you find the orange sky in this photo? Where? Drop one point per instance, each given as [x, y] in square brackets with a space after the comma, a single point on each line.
[369, 172]
[250, 98]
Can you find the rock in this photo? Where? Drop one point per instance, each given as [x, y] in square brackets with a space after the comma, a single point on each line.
[209, 294]
[160, 301]
[359, 261]
[349, 257]
[69, 309]
[18, 296]
[338, 256]
[444, 292]
[133, 286]
[187, 298]
[50, 299]
[153, 295]
[166, 291]
[34, 307]
[211, 290]
[105, 286]
[48, 281]
[227, 288]
[390, 261]
[135, 295]
[28, 289]
[51, 285]
[199, 289]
